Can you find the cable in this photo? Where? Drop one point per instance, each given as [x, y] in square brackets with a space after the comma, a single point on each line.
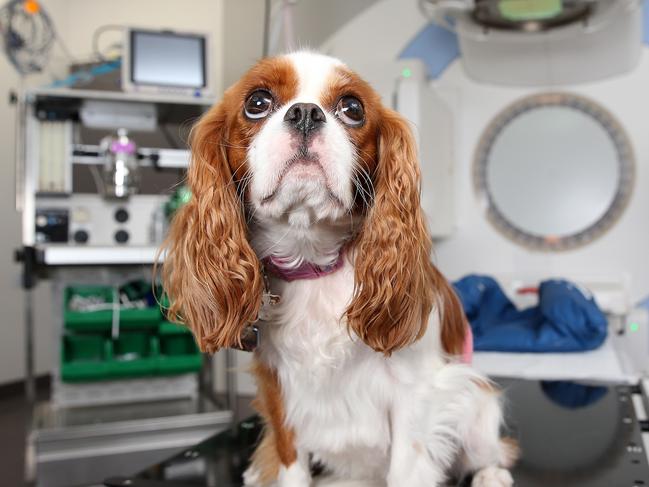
[64, 47]
[28, 35]
[97, 35]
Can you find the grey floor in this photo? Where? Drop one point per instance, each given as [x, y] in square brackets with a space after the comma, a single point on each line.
[14, 418]
[12, 426]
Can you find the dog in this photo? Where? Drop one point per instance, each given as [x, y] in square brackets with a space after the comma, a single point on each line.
[306, 189]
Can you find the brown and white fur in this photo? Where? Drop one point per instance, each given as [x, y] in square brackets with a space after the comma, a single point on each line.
[357, 370]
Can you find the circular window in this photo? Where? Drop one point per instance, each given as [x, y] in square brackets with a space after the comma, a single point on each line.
[554, 171]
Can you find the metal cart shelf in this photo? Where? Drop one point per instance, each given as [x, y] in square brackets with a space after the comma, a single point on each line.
[113, 424]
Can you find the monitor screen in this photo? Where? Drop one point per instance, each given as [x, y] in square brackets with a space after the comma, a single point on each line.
[167, 59]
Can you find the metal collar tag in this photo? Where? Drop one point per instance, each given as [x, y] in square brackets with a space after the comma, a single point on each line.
[268, 301]
[251, 335]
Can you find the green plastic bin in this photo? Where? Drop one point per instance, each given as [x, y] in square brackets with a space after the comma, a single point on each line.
[102, 320]
[169, 349]
[135, 355]
[85, 357]
[178, 351]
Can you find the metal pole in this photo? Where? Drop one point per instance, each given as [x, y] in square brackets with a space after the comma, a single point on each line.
[27, 256]
[231, 381]
[206, 378]
[30, 380]
[18, 99]
[265, 48]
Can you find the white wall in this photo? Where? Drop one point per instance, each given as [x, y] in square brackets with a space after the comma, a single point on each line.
[75, 20]
[243, 33]
[11, 295]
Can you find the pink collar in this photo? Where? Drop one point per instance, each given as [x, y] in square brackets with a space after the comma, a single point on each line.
[277, 267]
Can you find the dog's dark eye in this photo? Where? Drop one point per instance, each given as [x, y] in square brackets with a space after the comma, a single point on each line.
[258, 104]
[350, 111]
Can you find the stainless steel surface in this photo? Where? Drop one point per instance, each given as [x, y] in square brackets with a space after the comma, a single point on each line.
[123, 391]
[168, 158]
[77, 422]
[77, 255]
[120, 95]
[79, 446]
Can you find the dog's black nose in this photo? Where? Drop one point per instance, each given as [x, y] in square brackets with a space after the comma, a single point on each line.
[305, 117]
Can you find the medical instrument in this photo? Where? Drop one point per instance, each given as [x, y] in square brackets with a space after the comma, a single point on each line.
[146, 54]
[107, 187]
[120, 176]
[96, 168]
[544, 42]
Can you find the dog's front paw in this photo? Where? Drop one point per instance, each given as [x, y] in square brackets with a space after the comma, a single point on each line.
[251, 477]
[295, 475]
[492, 477]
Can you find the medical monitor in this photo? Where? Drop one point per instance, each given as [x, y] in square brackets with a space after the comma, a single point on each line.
[165, 62]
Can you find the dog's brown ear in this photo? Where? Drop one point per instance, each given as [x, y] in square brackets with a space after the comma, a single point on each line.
[396, 284]
[453, 321]
[210, 272]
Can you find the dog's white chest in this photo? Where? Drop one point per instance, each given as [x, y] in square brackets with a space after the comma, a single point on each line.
[336, 390]
[340, 408]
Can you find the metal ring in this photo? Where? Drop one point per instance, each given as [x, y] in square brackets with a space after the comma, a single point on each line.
[625, 159]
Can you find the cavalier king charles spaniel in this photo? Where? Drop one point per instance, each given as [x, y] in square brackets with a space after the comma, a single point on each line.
[305, 220]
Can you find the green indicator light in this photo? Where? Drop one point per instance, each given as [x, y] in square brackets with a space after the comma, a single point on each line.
[406, 73]
[633, 326]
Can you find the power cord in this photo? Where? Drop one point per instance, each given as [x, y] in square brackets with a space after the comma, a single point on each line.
[96, 36]
[28, 34]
